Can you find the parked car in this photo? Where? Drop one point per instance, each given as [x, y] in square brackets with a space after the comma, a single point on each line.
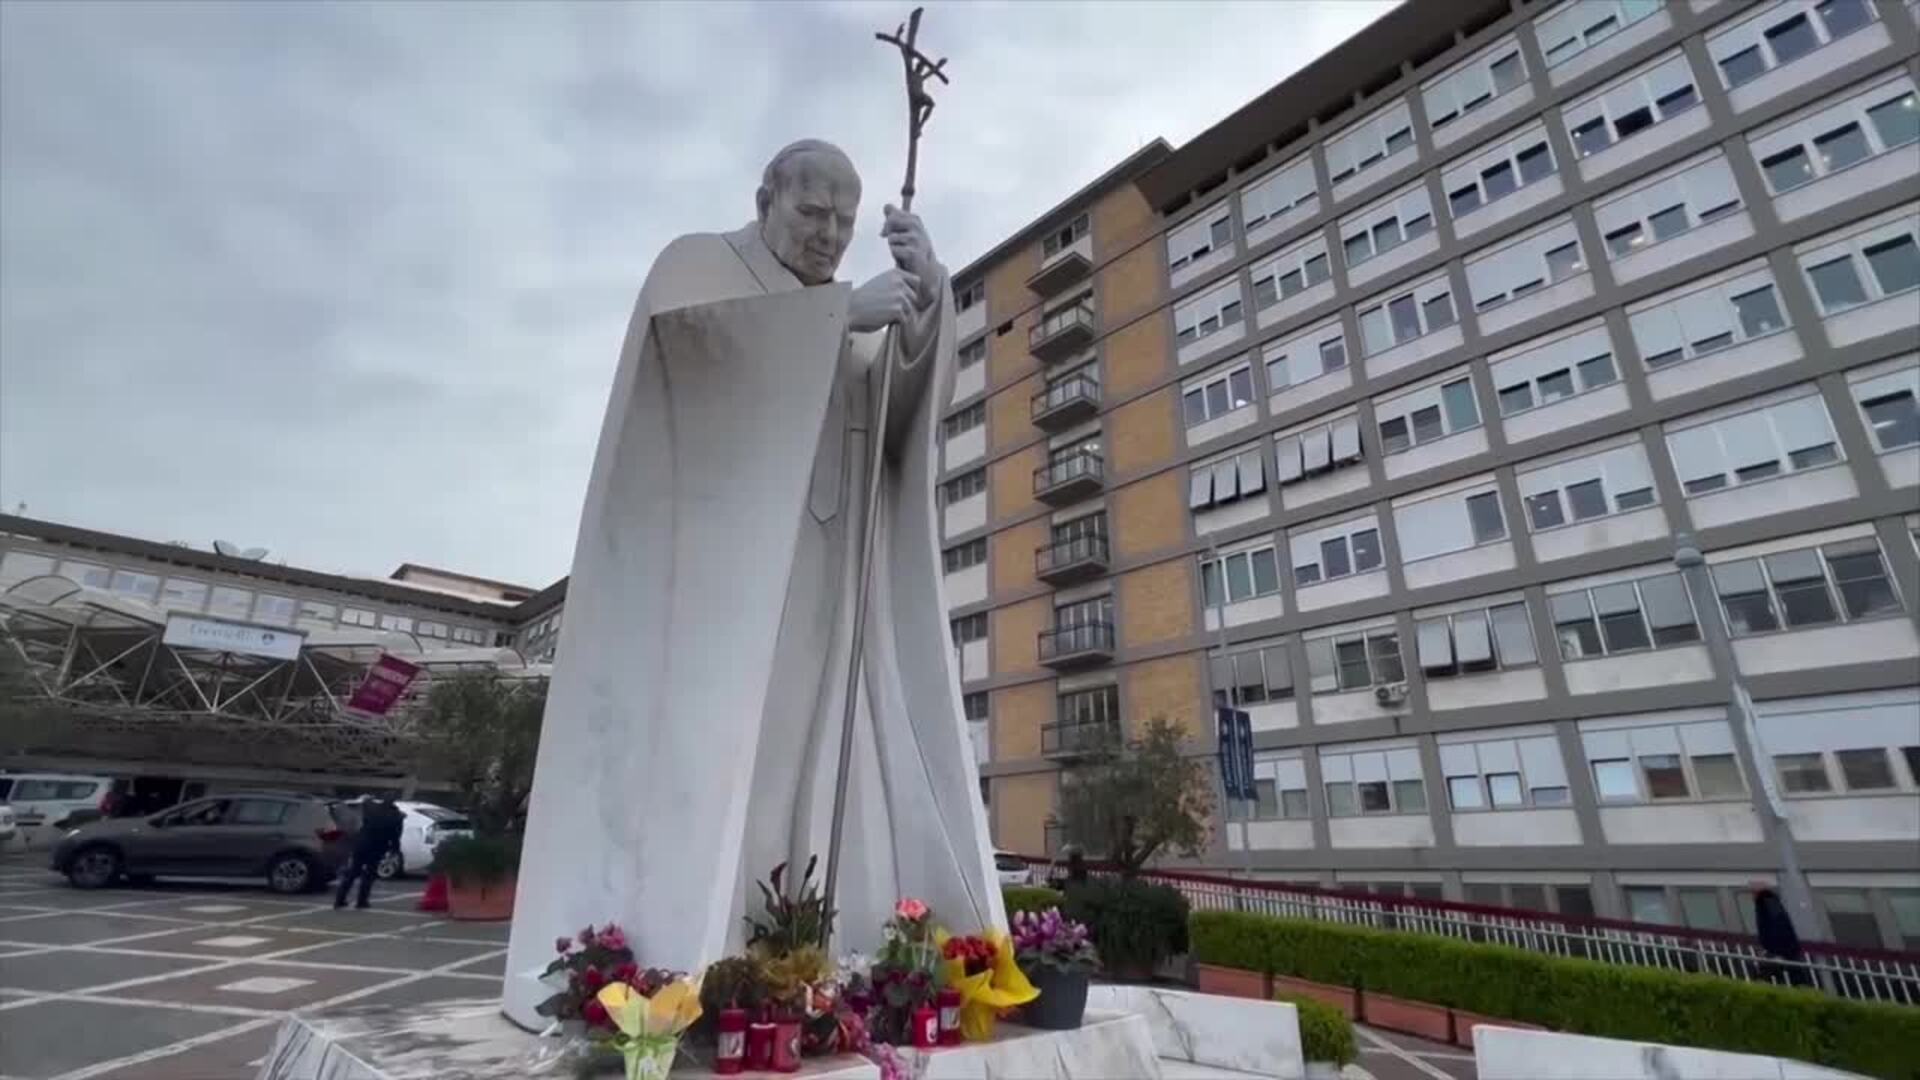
[8, 829]
[1013, 869]
[45, 805]
[296, 842]
[425, 826]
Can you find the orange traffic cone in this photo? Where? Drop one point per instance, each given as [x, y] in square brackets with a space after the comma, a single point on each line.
[435, 898]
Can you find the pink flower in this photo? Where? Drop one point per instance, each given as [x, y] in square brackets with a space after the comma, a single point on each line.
[562, 944]
[586, 936]
[613, 938]
[910, 909]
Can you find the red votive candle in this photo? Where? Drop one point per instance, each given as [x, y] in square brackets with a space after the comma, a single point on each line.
[786, 1045]
[949, 1002]
[760, 1045]
[926, 1028]
[729, 1055]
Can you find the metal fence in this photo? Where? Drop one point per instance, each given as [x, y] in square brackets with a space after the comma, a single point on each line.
[1863, 974]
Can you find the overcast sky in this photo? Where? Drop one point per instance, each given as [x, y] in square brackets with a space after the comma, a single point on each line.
[348, 280]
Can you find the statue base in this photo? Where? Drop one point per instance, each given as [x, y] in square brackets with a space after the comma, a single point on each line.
[471, 1040]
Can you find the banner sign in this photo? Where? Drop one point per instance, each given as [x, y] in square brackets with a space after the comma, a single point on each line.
[217, 635]
[386, 680]
[1234, 728]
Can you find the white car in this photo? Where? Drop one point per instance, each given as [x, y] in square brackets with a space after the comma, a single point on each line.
[425, 826]
[1013, 869]
[46, 805]
[7, 826]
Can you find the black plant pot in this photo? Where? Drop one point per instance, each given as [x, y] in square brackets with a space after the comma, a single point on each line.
[1062, 1002]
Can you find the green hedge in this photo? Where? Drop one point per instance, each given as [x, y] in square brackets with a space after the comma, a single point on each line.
[1325, 1032]
[1031, 898]
[1581, 996]
[1135, 925]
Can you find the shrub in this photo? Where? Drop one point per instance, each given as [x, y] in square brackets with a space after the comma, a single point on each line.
[1325, 1032]
[1034, 898]
[477, 859]
[1581, 996]
[1135, 925]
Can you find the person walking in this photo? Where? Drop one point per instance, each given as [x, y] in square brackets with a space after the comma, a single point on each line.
[380, 825]
[1774, 928]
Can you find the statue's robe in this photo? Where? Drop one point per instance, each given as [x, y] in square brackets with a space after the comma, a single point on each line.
[692, 730]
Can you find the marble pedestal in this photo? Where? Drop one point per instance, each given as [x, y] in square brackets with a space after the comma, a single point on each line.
[470, 1040]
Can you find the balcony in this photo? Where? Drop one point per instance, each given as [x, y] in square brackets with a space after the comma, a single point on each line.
[1066, 403]
[1066, 561]
[1062, 333]
[1070, 477]
[1065, 266]
[1077, 646]
[1074, 739]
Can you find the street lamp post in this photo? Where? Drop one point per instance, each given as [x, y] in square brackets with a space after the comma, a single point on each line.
[1793, 881]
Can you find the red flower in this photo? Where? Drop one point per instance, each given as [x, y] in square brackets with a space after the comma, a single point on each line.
[595, 1014]
[593, 979]
[586, 936]
[625, 972]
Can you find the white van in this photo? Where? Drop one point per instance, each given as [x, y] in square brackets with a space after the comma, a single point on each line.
[46, 805]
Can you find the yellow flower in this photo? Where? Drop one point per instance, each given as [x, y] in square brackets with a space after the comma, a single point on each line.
[625, 1007]
[985, 995]
[670, 1011]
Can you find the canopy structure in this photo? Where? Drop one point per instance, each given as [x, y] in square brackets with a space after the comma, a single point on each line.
[103, 681]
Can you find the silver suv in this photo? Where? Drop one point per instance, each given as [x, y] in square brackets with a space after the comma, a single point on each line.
[296, 842]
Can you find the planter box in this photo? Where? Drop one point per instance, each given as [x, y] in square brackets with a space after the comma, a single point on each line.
[1340, 997]
[1234, 982]
[1463, 1023]
[1412, 1017]
[492, 902]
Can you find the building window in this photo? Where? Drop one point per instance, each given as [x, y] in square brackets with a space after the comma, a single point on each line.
[1759, 444]
[1325, 554]
[1200, 237]
[972, 353]
[1305, 357]
[397, 623]
[1627, 616]
[1447, 523]
[1237, 476]
[1888, 405]
[1865, 770]
[1252, 677]
[975, 705]
[1475, 83]
[967, 419]
[1568, 365]
[1545, 258]
[1505, 774]
[1370, 142]
[1613, 481]
[1628, 106]
[1304, 454]
[1280, 787]
[961, 556]
[1578, 25]
[1386, 225]
[92, 575]
[970, 628]
[1247, 574]
[1402, 318]
[1279, 191]
[1852, 917]
[314, 613]
[1218, 394]
[1871, 264]
[431, 629]
[970, 296]
[1291, 272]
[132, 583]
[1498, 638]
[1795, 589]
[1700, 192]
[1493, 175]
[1663, 762]
[182, 594]
[274, 610]
[1782, 35]
[1097, 611]
[1373, 782]
[1355, 661]
[965, 486]
[358, 617]
[1691, 322]
[1426, 415]
[1065, 236]
[234, 603]
[1844, 134]
[1208, 313]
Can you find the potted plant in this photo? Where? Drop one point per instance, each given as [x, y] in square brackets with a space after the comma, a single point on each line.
[481, 871]
[1326, 1036]
[1059, 958]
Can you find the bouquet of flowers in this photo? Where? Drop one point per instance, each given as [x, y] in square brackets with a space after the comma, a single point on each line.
[588, 961]
[989, 981]
[1049, 941]
[903, 977]
[647, 1026]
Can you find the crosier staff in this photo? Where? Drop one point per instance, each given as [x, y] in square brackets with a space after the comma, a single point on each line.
[919, 107]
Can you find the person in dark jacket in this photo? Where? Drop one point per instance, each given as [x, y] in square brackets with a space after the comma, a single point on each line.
[380, 825]
[1774, 927]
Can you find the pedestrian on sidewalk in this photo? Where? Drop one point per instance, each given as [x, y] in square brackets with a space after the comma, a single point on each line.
[380, 826]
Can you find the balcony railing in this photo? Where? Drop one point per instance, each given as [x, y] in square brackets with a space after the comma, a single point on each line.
[1078, 645]
[1078, 738]
[1071, 560]
[1066, 403]
[1064, 267]
[1069, 477]
[1062, 333]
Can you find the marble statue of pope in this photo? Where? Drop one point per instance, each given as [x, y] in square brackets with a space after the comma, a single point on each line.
[692, 730]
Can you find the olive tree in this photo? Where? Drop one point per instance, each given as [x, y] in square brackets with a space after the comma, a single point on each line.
[1131, 802]
[482, 733]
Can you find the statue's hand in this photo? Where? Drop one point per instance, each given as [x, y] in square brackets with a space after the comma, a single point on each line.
[888, 299]
[912, 248]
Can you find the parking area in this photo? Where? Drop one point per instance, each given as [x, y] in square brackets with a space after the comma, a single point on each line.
[188, 981]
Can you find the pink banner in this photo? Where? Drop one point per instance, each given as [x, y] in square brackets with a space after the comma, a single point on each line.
[386, 680]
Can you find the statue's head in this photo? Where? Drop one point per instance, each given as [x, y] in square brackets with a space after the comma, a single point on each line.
[807, 200]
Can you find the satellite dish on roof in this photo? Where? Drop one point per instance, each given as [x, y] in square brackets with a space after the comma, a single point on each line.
[233, 550]
[254, 553]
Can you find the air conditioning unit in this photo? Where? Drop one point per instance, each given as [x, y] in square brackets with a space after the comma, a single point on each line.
[1391, 694]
